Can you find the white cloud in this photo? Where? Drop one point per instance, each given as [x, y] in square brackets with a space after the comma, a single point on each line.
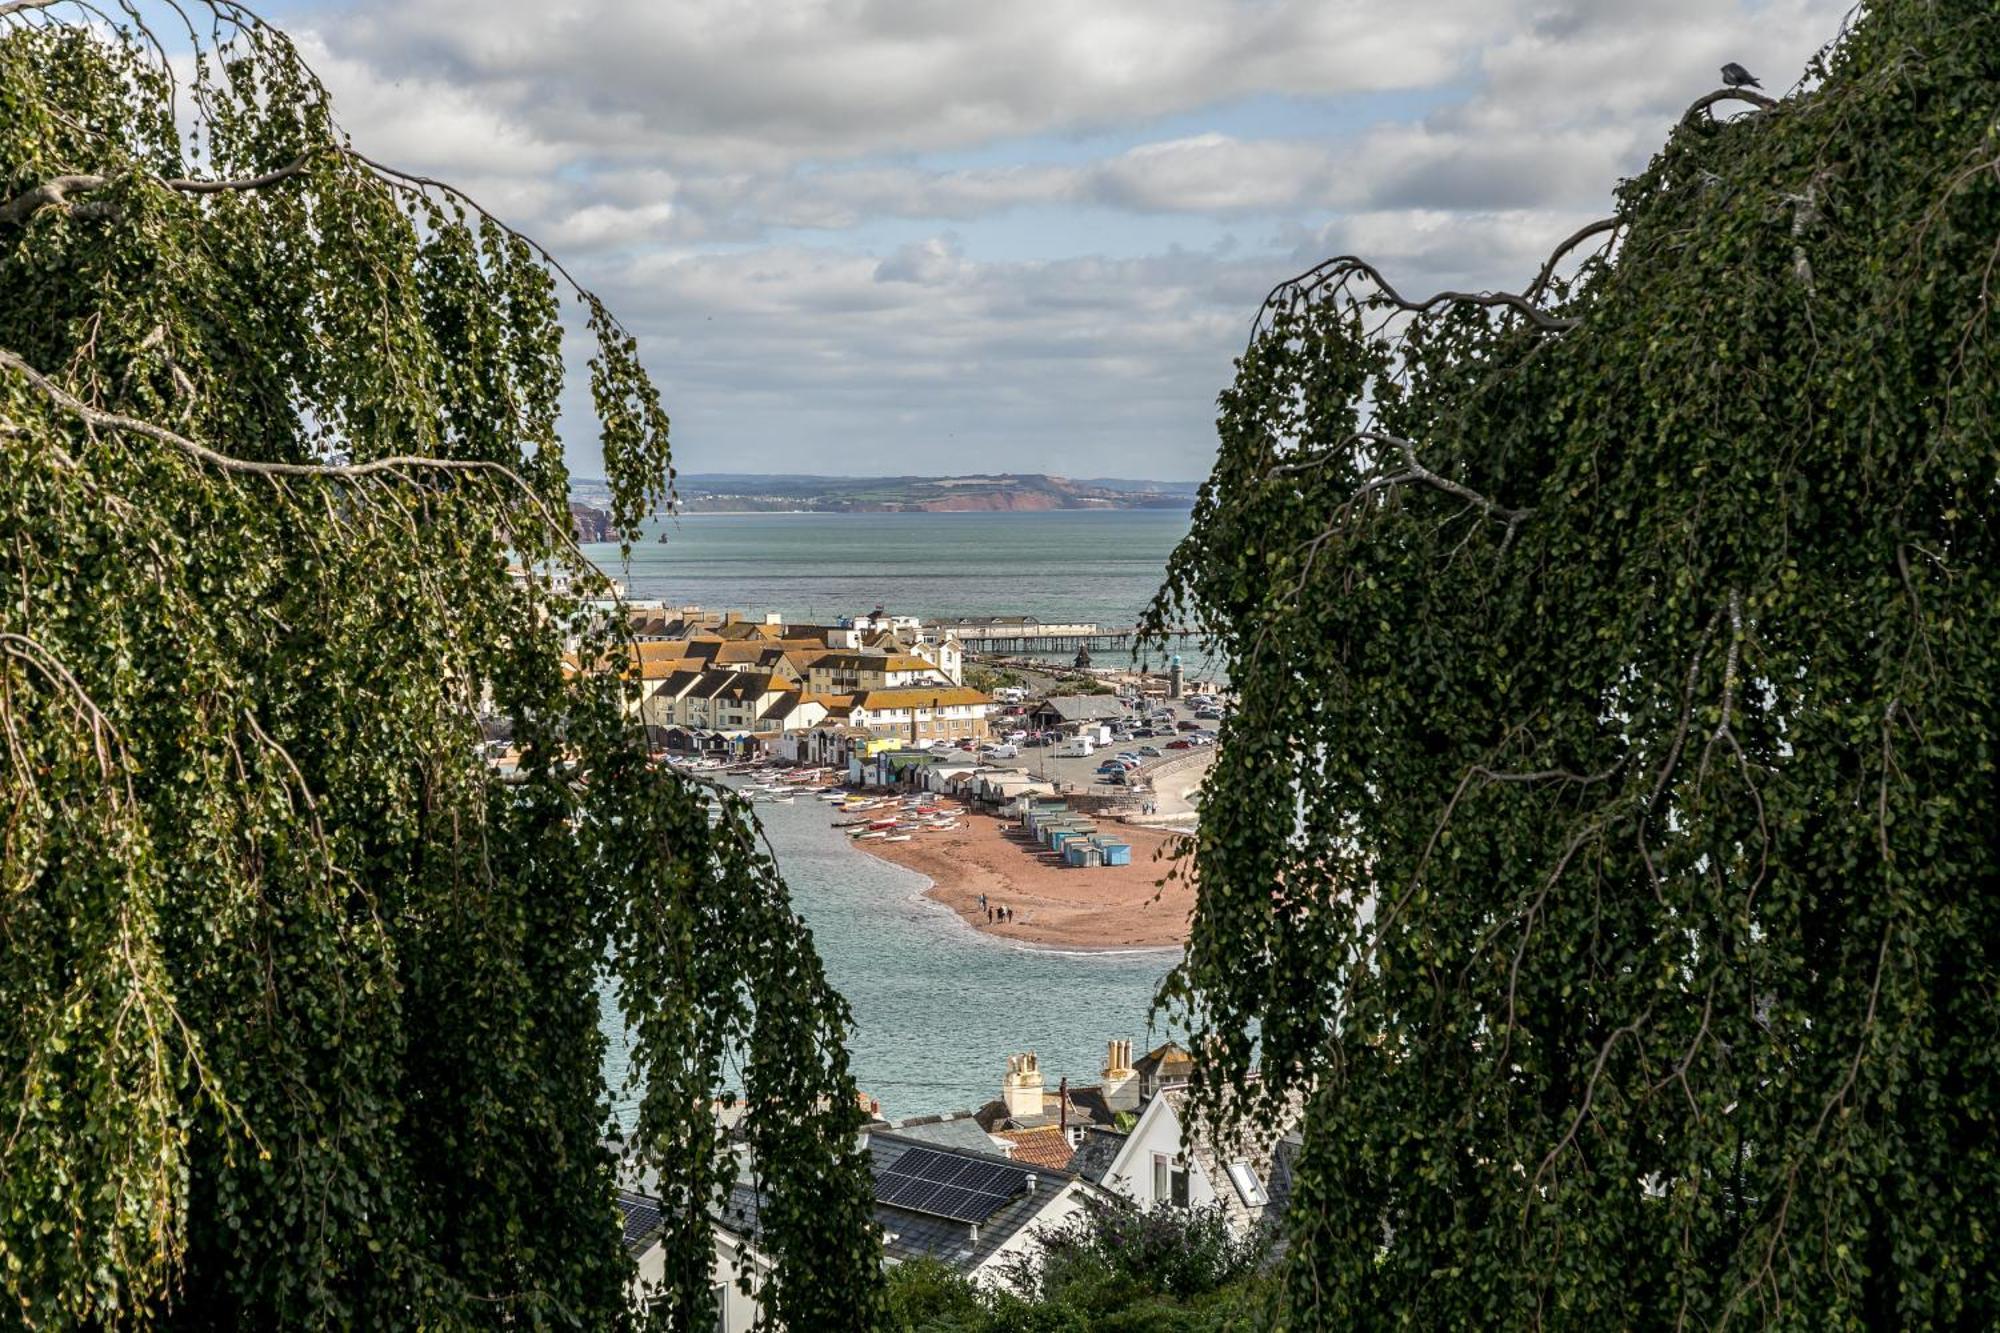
[661, 149]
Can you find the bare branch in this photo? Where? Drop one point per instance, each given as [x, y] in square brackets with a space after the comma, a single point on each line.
[55, 192]
[1341, 268]
[1708, 100]
[203, 454]
[1569, 243]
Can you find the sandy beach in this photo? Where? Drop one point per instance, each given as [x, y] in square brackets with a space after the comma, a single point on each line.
[1103, 907]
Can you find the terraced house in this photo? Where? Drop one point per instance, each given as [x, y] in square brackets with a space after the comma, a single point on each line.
[923, 713]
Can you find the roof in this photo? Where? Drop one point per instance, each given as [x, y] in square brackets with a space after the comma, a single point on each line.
[1087, 1106]
[677, 684]
[642, 1219]
[1094, 1155]
[781, 708]
[907, 1234]
[1165, 1062]
[1047, 1146]
[921, 696]
[982, 621]
[959, 1130]
[1255, 1145]
[1084, 707]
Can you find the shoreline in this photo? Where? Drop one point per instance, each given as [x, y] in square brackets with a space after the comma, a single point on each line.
[1101, 909]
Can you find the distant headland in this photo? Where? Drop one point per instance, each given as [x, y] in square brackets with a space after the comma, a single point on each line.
[714, 492]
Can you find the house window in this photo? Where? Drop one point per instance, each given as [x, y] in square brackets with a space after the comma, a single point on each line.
[1170, 1182]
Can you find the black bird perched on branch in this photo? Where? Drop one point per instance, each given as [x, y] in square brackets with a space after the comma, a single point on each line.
[1736, 76]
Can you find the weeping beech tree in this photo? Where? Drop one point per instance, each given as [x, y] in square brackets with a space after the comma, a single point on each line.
[299, 1001]
[1607, 836]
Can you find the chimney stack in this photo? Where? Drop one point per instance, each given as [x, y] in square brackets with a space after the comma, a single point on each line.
[1121, 1081]
[1021, 1089]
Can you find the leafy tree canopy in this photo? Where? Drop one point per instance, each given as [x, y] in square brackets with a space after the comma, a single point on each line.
[299, 1000]
[1608, 830]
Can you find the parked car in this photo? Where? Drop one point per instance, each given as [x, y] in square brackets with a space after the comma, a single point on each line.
[1008, 751]
[1150, 751]
[1113, 779]
[1182, 744]
[1185, 725]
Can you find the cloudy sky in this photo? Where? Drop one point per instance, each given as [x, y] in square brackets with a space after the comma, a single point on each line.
[936, 236]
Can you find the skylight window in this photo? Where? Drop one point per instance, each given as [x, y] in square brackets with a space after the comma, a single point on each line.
[1248, 1188]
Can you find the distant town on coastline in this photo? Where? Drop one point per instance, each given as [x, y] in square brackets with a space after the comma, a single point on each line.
[750, 492]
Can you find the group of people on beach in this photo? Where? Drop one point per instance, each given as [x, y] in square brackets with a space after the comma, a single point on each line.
[995, 915]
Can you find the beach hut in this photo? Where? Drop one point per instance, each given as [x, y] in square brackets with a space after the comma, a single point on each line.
[1114, 852]
[1082, 853]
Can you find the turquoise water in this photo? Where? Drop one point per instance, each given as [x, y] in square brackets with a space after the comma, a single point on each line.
[937, 1006]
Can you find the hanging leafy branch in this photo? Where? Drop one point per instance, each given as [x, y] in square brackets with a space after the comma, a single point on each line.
[1607, 834]
[299, 999]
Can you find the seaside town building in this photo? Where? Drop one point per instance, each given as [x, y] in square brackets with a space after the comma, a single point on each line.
[727, 682]
[953, 1197]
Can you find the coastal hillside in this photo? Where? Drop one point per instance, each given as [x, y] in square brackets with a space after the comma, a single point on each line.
[733, 491]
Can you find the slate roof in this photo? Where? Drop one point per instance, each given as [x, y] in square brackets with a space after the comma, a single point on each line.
[1093, 1156]
[1165, 1063]
[1087, 1106]
[912, 1235]
[1084, 707]
[952, 1131]
[1258, 1146]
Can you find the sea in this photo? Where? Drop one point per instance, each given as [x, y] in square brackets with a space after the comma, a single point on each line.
[1101, 566]
[937, 1006]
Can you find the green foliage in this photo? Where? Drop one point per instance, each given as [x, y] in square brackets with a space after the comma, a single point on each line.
[1607, 832]
[1105, 1270]
[299, 1001]
[989, 679]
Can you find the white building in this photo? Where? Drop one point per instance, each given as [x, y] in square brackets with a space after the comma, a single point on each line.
[1246, 1169]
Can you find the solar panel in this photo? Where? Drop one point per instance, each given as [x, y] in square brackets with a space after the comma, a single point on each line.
[990, 1177]
[944, 1185]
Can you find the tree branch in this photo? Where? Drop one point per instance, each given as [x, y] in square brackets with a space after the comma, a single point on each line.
[1339, 269]
[201, 453]
[1704, 102]
[55, 192]
[1569, 243]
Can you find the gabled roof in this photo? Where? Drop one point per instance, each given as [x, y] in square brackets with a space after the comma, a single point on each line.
[747, 686]
[677, 684]
[782, 707]
[1244, 1141]
[1084, 707]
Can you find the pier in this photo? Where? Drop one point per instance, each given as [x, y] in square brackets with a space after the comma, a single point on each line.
[1030, 640]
